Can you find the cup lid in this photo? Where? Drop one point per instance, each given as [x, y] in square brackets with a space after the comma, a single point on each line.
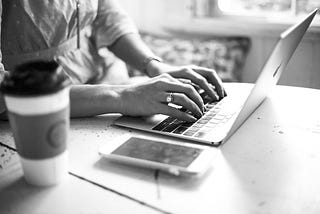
[34, 79]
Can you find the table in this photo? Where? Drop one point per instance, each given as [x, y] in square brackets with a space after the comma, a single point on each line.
[270, 165]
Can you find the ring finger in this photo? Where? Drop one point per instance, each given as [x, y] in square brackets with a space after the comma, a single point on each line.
[184, 101]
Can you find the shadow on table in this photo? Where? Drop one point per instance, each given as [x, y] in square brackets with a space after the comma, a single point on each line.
[20, 196]
[132, 172]
[260, 160]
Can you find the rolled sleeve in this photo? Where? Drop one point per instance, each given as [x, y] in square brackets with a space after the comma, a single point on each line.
[1, 65]
[111, 23]
[2, 106]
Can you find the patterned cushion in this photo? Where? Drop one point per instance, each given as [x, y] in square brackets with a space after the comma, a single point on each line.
[226, 55]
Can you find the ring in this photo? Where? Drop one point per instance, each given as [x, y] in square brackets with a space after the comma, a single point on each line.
[169, 98]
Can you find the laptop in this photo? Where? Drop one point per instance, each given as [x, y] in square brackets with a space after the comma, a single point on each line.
[222, 119]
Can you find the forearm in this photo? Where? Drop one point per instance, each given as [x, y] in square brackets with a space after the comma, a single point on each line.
[3, 115]
[132, 50]
[90, 100]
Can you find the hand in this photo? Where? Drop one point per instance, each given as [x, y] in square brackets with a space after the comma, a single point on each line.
[205, 78]
[151, 98]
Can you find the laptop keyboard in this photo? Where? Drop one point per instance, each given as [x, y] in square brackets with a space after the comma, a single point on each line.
[213, 116]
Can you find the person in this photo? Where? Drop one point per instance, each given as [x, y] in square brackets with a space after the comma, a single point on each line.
[86, 38]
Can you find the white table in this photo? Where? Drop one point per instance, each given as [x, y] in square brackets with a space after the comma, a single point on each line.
[271, 164]
[73, 196]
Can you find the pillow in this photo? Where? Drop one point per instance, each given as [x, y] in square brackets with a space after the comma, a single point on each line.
[226, 55]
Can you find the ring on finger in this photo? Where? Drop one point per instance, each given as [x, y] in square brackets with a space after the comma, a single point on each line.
[169, 98]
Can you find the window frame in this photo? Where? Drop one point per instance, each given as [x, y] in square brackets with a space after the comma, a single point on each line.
[235, 23]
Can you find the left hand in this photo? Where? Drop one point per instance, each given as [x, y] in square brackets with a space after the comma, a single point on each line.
[205, 78]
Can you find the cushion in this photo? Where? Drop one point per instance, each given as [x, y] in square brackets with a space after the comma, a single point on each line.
[226, 55]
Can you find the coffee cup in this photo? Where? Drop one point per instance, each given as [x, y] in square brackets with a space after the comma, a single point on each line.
[36, 95]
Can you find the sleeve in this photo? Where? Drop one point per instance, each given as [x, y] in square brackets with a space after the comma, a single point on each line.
[111, 23]
[2, 107]
[1, 65]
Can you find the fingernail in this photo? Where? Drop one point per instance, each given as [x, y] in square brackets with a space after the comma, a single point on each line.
[193, 119]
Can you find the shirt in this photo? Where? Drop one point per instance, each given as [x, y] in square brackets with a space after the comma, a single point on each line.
[48, 29]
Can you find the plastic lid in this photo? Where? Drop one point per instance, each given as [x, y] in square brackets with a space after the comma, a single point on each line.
[35, 78]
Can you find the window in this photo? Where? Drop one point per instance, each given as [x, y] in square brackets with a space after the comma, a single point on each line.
[268, 7]
[256, 8]
[251, 17]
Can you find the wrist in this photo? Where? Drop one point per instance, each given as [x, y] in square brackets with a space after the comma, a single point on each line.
[154, 68]
[117, 99]
[124, 100]
[89, 100]
[151, 66]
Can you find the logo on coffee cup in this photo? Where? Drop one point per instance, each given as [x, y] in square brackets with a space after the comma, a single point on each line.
[56, 135]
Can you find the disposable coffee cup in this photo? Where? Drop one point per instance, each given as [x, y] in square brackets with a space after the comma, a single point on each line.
[37, 101]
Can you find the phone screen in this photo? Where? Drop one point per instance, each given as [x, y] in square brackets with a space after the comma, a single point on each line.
[158, 152]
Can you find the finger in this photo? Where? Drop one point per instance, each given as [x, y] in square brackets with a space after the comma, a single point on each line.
[202, 82]
[184, 101]
[166, 76]
[176, 113]
[182, 88]
[188, 81]
[225, 92]
[213, 78]
[214, 88]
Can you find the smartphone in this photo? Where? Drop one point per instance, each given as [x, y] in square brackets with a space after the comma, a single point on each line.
[173, 157]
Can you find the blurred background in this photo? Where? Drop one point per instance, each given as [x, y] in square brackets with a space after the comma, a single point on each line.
[232, 36]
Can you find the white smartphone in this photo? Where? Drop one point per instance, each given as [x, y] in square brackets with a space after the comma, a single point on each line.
[173, 157]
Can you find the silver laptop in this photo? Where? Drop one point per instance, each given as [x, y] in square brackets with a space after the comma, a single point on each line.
[222, 119]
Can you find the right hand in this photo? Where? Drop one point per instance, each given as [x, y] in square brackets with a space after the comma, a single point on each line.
[150, 97]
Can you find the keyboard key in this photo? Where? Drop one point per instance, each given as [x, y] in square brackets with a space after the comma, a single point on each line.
[202, 121]
[214, 121]
[172, 126]
[163, 124]
[217, 108]
[210, 125]
[224, 120]
[206, 117]
[205, 130]
[219, 117]
[215, 111]
[229, 116]
[189, 133]
[180, 130]
[211, 105]
[198, 125]
[211, 114]
[187, 124]
[200, 135]
[194, 129]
